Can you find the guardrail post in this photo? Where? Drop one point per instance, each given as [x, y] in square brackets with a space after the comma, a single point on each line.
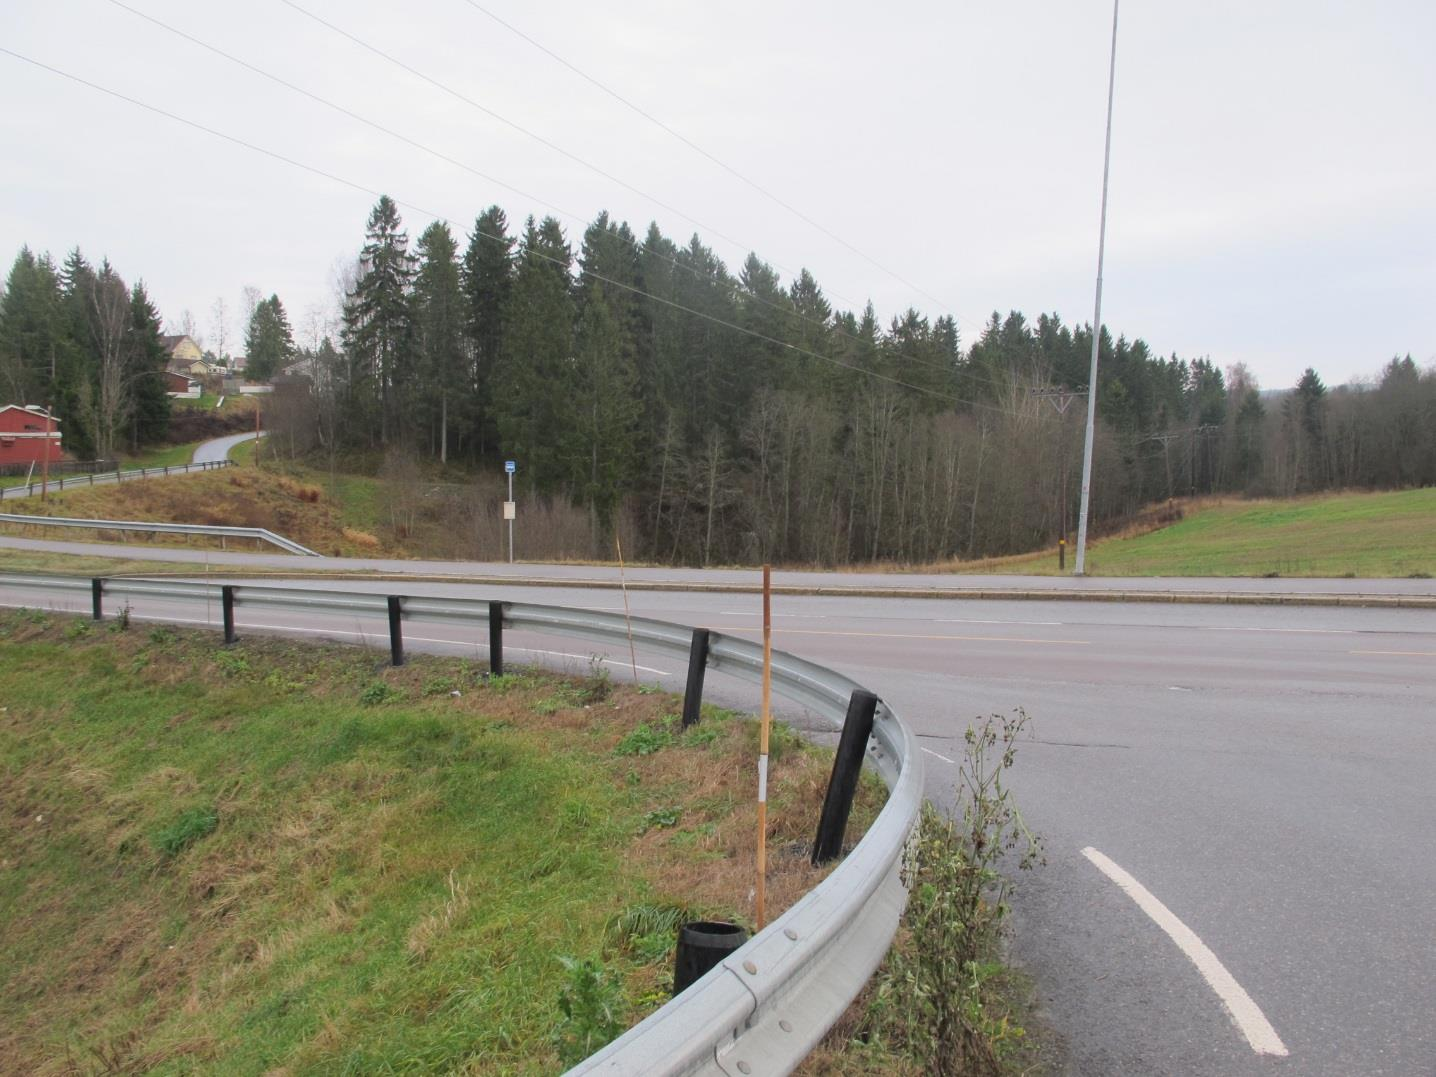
[396, 630]
[496, 639]
[226, 602]
[97, 590]
[847, 764]
[697, 666]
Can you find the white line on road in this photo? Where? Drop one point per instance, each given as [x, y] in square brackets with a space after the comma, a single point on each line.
[1245, 1013]
[944, 758]
[989, 621]
[1404, 654]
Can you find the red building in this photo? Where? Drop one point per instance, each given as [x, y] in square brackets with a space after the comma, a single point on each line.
[28, 434]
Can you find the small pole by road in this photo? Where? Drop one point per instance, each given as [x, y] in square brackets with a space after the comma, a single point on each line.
[509, 513]
[45, 458]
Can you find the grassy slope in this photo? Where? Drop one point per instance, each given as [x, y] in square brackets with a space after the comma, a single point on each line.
[1383, 534]
[220, 859]
[238, 497]
[1360, 534]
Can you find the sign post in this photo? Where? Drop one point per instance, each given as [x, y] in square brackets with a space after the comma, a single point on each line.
[509, 512]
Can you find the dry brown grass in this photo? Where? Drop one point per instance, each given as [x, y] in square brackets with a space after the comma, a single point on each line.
[237, 497]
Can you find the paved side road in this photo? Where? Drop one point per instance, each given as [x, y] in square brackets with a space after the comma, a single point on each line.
[1235, 591]
[218, 449]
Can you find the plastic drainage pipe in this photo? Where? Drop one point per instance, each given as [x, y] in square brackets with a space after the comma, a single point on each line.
[703, 944]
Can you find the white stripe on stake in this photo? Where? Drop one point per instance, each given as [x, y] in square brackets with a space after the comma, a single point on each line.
[762, 779]
[1245, 1013]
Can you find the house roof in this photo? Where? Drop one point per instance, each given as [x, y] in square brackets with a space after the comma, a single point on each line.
[33, 409]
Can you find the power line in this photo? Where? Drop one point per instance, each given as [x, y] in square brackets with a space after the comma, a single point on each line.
[705, 154]
[833, 327]
[797, 349]
[465, 99]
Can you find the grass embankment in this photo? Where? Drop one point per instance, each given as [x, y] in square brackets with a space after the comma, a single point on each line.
[1375, 535]
[235, 497]
[160, 456]
[282, 858]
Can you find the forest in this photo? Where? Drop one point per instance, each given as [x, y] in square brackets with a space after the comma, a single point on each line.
[715, 416]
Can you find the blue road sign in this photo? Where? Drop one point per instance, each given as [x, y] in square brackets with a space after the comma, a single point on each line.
[509, 466]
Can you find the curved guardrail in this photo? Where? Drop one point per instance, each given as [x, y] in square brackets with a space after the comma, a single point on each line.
[104, 478]
[763, 1009]
[211, 530]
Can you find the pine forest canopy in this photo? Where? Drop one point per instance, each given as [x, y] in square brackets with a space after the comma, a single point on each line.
[731, 417]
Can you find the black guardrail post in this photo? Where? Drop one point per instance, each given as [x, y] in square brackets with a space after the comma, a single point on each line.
[496, 639]
[97, 591]
[226, 602]
[396, 630]
[697, 666]
[847, 764]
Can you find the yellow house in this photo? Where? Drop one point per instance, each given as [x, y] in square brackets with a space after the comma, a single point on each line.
[183, 352]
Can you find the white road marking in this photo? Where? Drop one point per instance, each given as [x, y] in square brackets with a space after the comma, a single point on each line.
[615, 662]
[1245, 1013]
[944, 758]
[1177, 688]
[1286, 631]
[989, 621]
[1404, 654]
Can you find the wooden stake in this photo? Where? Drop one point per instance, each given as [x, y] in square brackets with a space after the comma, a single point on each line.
[762, 895]
[627, 619]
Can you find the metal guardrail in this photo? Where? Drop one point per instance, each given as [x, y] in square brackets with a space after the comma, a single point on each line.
[763, 1009]
[106, 477]
[211, 530]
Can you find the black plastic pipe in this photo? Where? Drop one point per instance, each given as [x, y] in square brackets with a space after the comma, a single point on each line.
[226, 602]
[847, 764]
[496, 639]
[396, 630]
[697, 666]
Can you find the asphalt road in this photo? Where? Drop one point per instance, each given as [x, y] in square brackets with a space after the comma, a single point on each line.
[218, 449]
[1262, 772]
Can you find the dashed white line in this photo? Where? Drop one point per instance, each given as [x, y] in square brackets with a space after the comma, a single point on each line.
[944, 758]
[1245, 1013]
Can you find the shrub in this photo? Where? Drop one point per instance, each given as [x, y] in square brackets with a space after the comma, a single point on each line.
[645, 739]
[592, 1009]
[935, 996]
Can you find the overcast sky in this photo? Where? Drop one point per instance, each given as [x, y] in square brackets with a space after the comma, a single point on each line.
[1273, 196]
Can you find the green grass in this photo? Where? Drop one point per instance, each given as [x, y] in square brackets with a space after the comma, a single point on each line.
[161, 456]
[1369, 535]
[250, 860]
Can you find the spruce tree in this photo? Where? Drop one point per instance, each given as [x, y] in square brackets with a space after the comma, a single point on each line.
[379, 330]
[486, 278]
[268, 340]
[533, 397]
[439, 317]
[149, 411]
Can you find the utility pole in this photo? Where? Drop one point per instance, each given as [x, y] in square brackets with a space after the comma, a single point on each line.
[1166, 438]
[1079, 569]
[45, 457]
[1061, 399]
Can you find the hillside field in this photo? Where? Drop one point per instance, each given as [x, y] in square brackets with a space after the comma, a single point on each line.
[290, 858]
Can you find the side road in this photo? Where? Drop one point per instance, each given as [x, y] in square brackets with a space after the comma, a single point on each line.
[1414, 593]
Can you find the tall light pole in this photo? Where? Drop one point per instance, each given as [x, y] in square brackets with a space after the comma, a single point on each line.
[1078, 569]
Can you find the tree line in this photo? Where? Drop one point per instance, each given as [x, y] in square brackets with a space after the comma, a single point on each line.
[87, 345]
[723, 416]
